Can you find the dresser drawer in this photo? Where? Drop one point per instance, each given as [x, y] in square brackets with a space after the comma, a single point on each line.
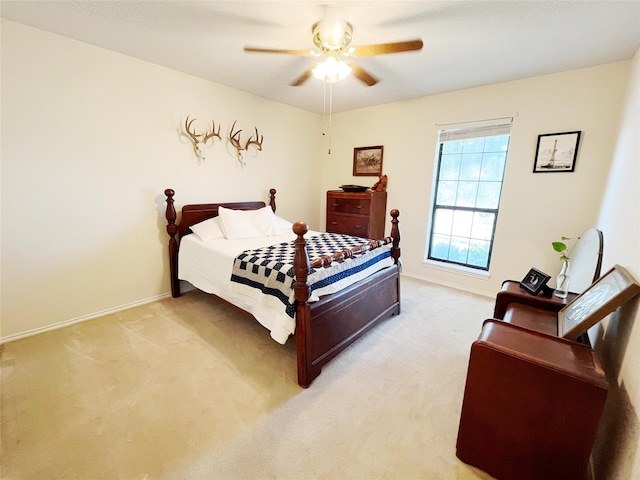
[348, 224]
[361, 214]
[349, 205]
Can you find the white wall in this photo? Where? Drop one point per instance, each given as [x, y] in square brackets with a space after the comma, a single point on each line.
[617, 341]
[535, 208]
[90, 140]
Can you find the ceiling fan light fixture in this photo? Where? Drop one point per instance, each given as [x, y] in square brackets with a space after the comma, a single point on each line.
[332, 34]
[331, 70]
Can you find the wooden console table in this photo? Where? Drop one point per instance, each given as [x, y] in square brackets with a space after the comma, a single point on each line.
[512, 292]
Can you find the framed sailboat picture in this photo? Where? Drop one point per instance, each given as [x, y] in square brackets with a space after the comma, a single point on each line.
[557, 152]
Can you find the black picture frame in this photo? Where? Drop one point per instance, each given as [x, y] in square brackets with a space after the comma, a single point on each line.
[534, 281]
[557, 152]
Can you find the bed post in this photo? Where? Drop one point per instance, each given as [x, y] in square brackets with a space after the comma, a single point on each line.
[395, 250]
[306, 373]
[395, 234]
[172, 230]
[272, 199]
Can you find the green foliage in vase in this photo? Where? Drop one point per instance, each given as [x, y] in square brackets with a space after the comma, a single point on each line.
[561, 248]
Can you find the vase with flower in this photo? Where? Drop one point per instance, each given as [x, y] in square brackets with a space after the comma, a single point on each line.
[562, 282]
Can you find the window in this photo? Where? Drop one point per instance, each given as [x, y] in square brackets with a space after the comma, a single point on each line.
[470, 167]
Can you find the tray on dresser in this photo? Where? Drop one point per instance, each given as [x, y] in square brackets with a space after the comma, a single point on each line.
[354, 188]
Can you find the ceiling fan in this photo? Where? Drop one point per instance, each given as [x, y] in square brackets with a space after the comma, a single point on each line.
[332, 37]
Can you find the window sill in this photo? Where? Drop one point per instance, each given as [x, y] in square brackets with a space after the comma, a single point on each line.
[457, 269]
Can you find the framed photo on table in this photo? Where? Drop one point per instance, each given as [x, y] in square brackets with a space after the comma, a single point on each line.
[367, 161]
[534, 281]
[556, 152]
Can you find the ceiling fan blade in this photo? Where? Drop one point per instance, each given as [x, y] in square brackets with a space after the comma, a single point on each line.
[301, 79]
[363, 75]
[304, 53]
[383, 48]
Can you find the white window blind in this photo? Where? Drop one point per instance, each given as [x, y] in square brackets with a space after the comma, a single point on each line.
[486, 128]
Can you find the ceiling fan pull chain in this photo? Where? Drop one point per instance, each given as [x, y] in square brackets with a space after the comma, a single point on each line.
[324, 102]
[330, 111]
[330, 104]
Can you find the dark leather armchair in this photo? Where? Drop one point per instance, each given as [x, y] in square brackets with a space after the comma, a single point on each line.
[532, 404]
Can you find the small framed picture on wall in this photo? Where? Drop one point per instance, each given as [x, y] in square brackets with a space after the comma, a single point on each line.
[367, 161]
[556, 152]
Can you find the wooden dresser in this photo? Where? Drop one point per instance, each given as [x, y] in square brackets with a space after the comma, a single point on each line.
[360, 214]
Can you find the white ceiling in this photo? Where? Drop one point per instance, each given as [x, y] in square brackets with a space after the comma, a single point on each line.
[466, 43]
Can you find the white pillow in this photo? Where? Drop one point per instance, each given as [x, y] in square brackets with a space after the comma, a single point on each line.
[237, 224]
[283, 225]
[208, 229]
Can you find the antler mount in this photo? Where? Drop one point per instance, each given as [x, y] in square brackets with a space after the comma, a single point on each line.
[200, 139]
[234, 139]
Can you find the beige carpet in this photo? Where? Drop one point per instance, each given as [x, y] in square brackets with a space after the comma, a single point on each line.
[189, 388]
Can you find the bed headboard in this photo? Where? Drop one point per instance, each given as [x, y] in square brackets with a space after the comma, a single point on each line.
[192, 214]
[196, 213]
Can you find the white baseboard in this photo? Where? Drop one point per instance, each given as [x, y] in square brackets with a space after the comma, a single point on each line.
[73, 321]
[450, 285]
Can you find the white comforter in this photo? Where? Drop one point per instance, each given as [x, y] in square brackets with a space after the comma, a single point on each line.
[208, 265]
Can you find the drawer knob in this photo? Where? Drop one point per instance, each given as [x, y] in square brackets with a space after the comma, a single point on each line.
[335, 204]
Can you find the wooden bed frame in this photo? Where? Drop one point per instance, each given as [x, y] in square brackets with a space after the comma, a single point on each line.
[323, 328]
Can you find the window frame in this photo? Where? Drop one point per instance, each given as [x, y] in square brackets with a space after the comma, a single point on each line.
[482, 129]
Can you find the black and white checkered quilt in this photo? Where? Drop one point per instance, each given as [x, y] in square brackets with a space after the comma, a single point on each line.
[270, 269]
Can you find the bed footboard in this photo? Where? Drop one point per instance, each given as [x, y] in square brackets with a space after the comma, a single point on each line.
[326, 327]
